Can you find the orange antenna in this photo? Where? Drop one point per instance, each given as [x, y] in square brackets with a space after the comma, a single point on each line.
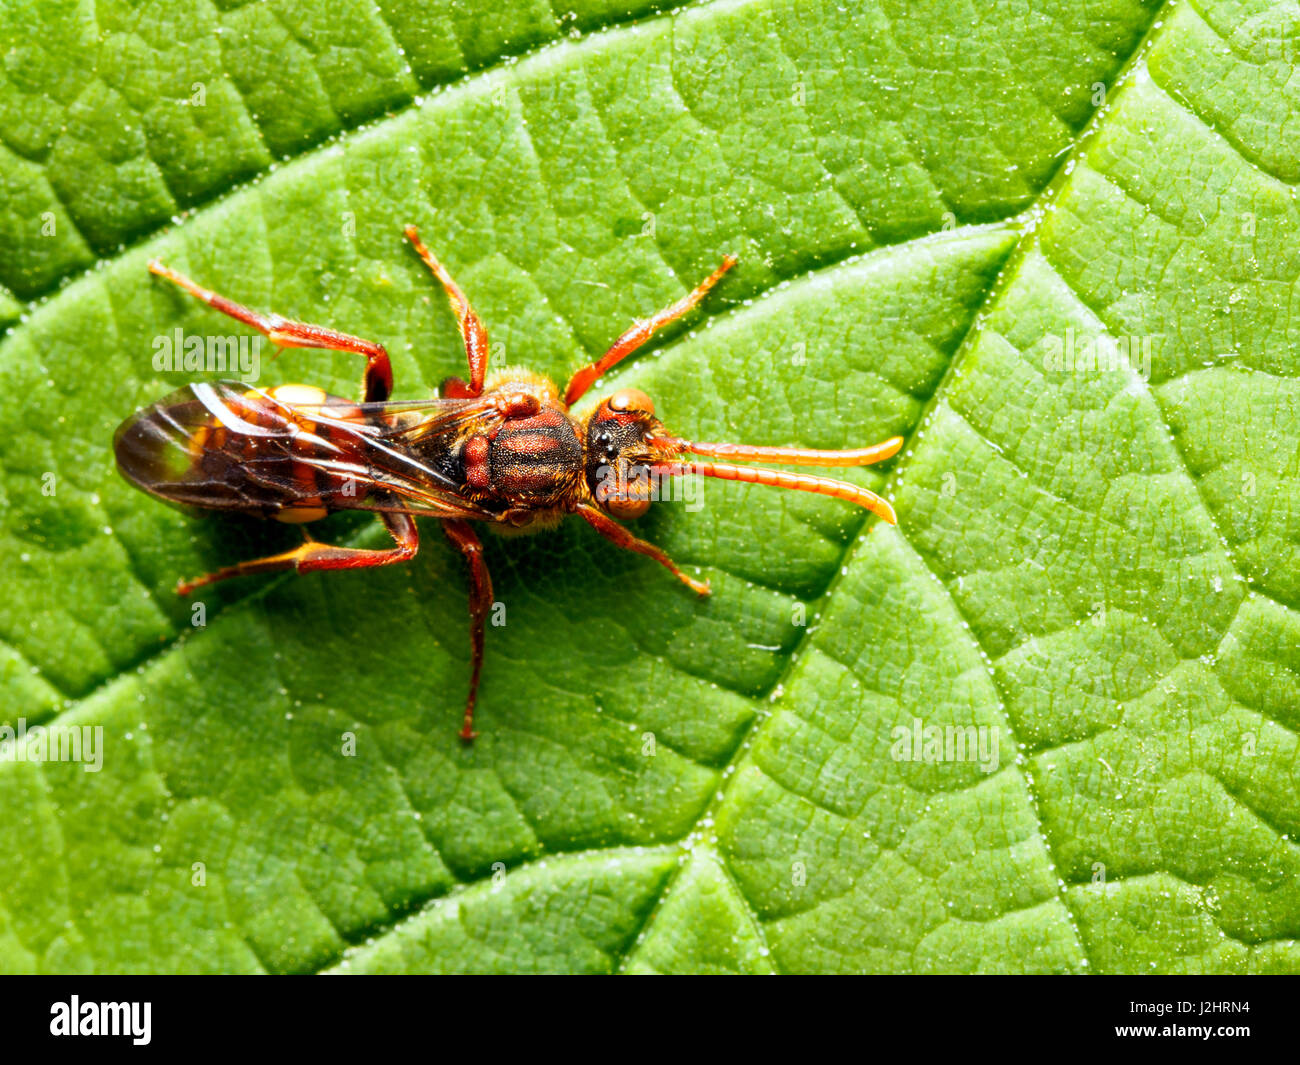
[799, 482]
[790, 456]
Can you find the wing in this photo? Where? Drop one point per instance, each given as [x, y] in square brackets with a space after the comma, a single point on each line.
[225, 446]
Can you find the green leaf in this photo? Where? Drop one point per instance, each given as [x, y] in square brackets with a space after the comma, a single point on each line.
[938, 209]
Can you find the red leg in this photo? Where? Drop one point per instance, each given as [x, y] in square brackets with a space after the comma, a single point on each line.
[376, 385]
[472, 331]
[462, 534]
[616, 534]
[313, 555]
[455, 388]
[640, 333]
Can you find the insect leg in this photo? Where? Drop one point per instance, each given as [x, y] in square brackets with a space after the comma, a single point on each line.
[640, 333]
[376, 385]
[472, 330]
[616, 534]
[462, 534]
[314, 555]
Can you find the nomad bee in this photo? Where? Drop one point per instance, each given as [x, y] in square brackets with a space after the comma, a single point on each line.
[500, 448]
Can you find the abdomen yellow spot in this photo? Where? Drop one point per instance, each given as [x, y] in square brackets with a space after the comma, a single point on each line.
[303, 395]
[300, 515]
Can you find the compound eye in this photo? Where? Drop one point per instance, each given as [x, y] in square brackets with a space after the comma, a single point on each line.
[631, 399]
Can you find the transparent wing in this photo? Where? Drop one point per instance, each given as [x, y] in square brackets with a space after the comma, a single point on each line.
[223, 445]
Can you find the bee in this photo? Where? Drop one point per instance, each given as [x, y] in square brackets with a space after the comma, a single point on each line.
[500, 448]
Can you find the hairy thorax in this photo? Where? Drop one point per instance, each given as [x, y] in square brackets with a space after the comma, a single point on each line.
[531, 464]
